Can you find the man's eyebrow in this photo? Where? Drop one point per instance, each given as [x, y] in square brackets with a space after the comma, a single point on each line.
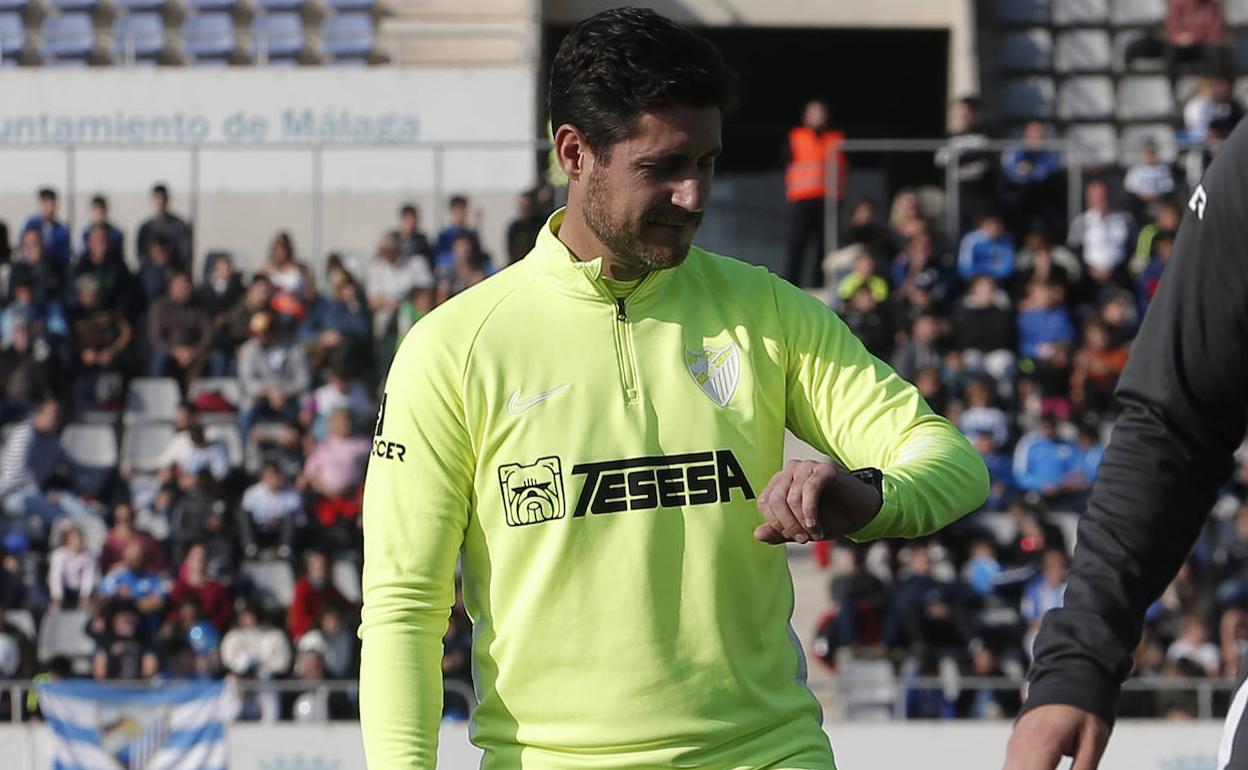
[677, 155]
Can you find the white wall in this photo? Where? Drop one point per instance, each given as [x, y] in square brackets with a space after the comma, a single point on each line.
[859, 746]
[380, 129]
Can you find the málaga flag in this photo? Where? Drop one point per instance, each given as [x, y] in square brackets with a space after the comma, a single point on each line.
[178, 726]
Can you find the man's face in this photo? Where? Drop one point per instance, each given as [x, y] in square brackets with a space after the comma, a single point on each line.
[646, 202]
[180, 289]
[459, 214]
[1033, 134]
[99, 214]
[46, 418]
[32, 246]
[160, 203]
[386, 250]
[1097, 197]
[47, 208]
[409, 222]
[97, 245]
[816, 116]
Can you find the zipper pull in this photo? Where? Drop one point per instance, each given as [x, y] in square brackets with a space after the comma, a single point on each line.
[620, 315]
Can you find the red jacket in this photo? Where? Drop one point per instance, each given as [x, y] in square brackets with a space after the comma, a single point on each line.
[309, 602]
[217, 602]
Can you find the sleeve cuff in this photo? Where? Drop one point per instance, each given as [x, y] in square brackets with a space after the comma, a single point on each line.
[1083, 686]
[883, 523]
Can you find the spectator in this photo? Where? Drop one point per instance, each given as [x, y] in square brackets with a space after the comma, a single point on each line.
[72, 573]
[55, 236]
[339, 392]
[193, 582]
[976, 164]
[1119, 316]
[1096, 369]
[120, 537]
[1194, 33]
[1033, 174]
[255, 648]
[180, 333]
[311, 706]
[1198, 112]
[1150, 276]
[523, 231]
[1227, 110]
[444, 252]
[859, 601]
[155, 270]
[268, 514]
[47, 278]
[337, 331]
[915, 260]
[927, 616]
[982, 568]
[334, 472]
[341, 660]
[1045, 591]
[1100, 234]
[1148, 182]
[921, 351]
[217, 297]
[43, 316]
[468, 270]
[863, 228]
[116, 284]
[1194, 645]
[29, 463]
[415, 306]
[1044, 323]
[1166, 222]
[863, 276]
[16, 653]
[390, 279]
[986, 330]
[1088, 455]
[413, 244]
[99, 218]
[983, 703]
[862, 314]
[980, 416]
[125, 647]
[282, 270]
[1043, 462]
[132, 579]
[313, 594]
[29, 371]
[198, 518]
[274, 373]
[175, 231]
[807, 152]
[237, 329]
[101, 337]
[905, 221]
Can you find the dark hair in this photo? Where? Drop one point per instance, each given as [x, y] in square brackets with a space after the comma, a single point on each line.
[47, 193]
[99, 200]
[160, 189]
[616, 65]
[162, 242]
[457, 200]
[408, 208]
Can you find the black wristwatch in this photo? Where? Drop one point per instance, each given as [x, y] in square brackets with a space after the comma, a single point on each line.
[872, 476]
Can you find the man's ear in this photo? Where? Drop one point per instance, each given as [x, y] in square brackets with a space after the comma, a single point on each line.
[572, 151]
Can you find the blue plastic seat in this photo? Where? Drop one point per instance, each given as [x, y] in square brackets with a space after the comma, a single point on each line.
[348, 35]
[353, 5]
[12, 36]
[214, 5]
[142, 5]
[68, 36]
[14, 5]
[209, 36]
[280, 5]
[76, 5]
[280, 35]
[146, 30]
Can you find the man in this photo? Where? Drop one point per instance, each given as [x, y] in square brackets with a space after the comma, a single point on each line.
[180, 333]
[523, 231]
[176, 231]
[1100, 234]
[274, 373]
[1148, 182]
[1184, 414]
[30, 459]
[413, 243]
[391, 278]
[595, 427]
[806, 186]
[99, 218]
[55, 234]
[458, 213]
[1033, 181]
[987, 250]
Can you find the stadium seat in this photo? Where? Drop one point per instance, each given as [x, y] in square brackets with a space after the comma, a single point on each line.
[272, 581]
[1023, 12]
[152, 398]
[231, 437]
[15, 5]
[1235, 12]
[12, 36]
[22, 620]
[1028, 98]
[67, 36]
[1147, 97]
[209, 36]
[1027, 51]
[277, 36]
[91, 451]
[1135, 137]
[1122, 41]
[1080, 13]
[143, 444]
[64, 632]
[89, 6]
[354, 5]
[281, 5]
[225, 6]
[139, 36]
[229, 388]
[868, 689]
[142, 5]
[1097, 144]
[1138, 13]
[1241, 52]
[1083, 50]
[1086, 98]
[348, 35]
[346, 577]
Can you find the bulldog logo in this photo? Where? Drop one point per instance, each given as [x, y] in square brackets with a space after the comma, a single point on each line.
[532, 493]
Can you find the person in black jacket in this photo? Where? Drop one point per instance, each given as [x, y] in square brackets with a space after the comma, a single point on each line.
[1185, 411]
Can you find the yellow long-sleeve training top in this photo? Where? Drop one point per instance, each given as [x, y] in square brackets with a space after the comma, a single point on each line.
[596, 460]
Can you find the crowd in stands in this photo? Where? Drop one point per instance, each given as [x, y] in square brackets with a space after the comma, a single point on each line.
[1017, 330]
[172, 563]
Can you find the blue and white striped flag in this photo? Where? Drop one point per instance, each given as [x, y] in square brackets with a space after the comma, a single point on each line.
[179, 726]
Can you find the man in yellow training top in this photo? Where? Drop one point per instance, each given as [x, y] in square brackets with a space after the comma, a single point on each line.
[597, 428]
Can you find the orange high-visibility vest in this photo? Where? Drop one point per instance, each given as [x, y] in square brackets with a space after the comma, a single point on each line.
[806, 176]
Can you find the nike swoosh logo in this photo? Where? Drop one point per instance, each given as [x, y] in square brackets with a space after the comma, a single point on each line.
[516, 406]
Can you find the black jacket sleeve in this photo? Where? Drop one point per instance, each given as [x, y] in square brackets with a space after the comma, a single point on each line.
[1183, 394]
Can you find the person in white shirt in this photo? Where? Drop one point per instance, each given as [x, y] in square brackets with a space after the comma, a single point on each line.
[268, 513]
[1100, 234]
[1149, 181]
[72, 572]
[390, 279]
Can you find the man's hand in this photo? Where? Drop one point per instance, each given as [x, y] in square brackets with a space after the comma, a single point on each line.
[813, 500]
[1043, 736]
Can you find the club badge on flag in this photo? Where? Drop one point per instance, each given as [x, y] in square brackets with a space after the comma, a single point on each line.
[97, 726]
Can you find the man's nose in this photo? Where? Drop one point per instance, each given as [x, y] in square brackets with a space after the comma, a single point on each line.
[691, 194]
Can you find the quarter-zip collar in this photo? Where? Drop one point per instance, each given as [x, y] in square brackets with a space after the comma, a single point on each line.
[582, 278]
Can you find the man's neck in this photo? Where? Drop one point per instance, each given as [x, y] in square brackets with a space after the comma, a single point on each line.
[586, 246]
